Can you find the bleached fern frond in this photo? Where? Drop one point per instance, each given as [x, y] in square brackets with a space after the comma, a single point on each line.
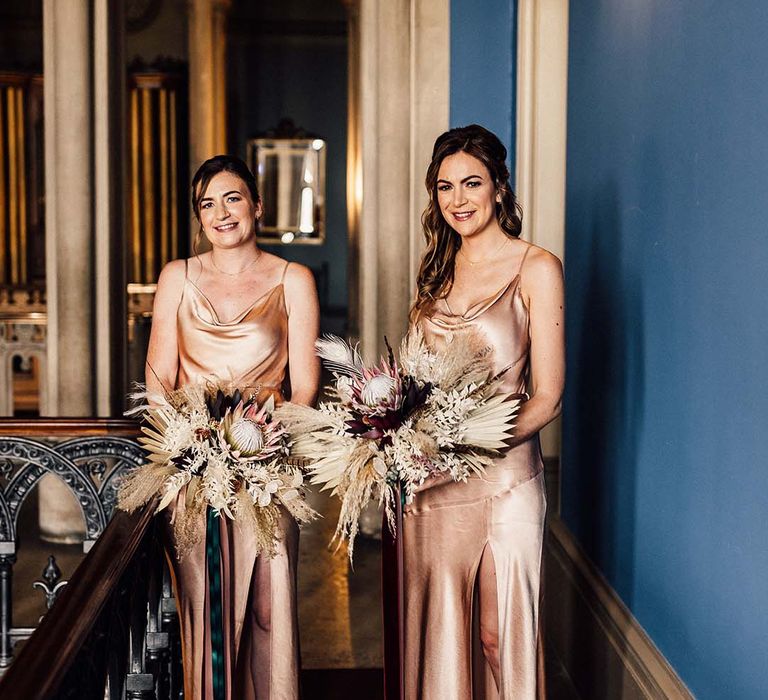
[301, 419]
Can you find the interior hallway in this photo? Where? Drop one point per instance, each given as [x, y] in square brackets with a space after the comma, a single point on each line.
[339, 608]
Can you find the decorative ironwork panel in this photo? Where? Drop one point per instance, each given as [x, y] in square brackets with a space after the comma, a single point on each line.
[105, 460]
[90, 466]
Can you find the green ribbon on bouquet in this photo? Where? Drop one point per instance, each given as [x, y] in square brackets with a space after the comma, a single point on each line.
[213, 561]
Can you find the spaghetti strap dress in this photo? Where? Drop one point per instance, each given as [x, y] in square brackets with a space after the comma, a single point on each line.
[449, 526]
[260, 642]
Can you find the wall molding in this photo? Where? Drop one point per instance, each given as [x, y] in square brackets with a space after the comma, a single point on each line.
[586, 619]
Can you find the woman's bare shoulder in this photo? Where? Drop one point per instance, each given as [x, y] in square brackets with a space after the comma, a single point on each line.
[171, 280]
[298, 278]
[299, 288]
[541, 265]
[274, 266]
[173, 272]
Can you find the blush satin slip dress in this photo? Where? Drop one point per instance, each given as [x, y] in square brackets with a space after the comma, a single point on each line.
[450, 526]
[258, 601]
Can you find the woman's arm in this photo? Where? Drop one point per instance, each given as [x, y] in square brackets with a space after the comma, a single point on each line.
[162, 363]
[303, 327]
[542, 287]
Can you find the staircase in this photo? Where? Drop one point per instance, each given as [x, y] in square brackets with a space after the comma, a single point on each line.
[112, 631]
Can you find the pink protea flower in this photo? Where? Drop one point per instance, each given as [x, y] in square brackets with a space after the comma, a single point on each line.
[376, 401]
[378, 390]
[250, 431]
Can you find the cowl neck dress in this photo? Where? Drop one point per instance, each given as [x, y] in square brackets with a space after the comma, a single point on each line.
[259, 612]
[450, 526]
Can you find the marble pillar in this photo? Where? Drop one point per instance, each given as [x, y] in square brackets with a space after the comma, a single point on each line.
[109, 213]
[83, 67]
[404, 78]
[67, 63]
[69, 239]
[542, 96]
[84, 181]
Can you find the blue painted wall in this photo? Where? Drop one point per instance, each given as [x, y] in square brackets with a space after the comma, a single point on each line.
[666, 411]
[483, 66]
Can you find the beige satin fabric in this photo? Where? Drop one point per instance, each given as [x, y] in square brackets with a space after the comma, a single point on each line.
[259, 604]
[251, 349]
[450, 526]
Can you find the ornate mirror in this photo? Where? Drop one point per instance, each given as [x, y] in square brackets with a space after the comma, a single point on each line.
[291, 177]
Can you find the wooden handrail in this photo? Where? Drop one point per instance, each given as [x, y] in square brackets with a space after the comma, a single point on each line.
[86, 636]
[45, 666]
[68, 427]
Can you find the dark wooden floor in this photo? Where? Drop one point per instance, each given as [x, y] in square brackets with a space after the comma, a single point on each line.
[337, 684]
[367, 683]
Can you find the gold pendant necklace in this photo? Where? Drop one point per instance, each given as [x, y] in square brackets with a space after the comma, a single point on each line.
[488, 257]
[239, 272]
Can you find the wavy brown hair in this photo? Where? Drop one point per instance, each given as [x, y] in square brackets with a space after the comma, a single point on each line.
[435, 277]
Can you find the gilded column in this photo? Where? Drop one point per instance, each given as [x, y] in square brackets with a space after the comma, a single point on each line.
[354, 165]
[207, 81]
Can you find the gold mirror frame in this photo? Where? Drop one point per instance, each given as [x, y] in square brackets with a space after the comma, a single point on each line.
[290, 173]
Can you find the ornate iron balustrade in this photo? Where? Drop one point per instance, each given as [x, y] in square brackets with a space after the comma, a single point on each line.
[129, 643]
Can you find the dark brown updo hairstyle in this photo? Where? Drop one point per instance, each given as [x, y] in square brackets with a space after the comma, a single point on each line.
[212, 167]
[435, 277]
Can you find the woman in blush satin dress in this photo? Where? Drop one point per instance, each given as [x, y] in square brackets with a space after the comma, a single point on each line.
[237, 313]
[479, 544]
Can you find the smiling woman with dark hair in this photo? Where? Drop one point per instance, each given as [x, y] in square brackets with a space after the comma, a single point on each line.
[239, 313]
[485, 536]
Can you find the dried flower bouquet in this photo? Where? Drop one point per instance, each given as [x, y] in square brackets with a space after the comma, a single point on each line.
[230, 454]
[397, 423]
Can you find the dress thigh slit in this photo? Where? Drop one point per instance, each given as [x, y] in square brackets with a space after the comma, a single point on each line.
[442, 562]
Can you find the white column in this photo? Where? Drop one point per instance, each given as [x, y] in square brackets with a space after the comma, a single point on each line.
[85, 282]
[542, 99]
[68, 238]
[69, 207]
[430, 107]
[404, 101]
[85, 288]
[110, 344]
